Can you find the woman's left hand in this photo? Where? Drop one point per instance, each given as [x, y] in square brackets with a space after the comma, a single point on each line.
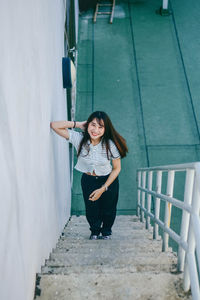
[95, 195]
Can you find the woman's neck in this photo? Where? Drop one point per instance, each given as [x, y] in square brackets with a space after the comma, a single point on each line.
[95, 142]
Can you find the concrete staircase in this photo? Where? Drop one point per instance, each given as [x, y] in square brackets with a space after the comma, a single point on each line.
[129, 266]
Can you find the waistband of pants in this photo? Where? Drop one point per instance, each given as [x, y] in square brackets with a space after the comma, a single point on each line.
[96, 177]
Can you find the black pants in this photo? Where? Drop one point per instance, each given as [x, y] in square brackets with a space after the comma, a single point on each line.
[101, 213]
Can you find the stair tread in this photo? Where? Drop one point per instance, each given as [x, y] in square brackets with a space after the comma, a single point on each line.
[101, 268]
[93, 247]
[70, 260]
[93, 286]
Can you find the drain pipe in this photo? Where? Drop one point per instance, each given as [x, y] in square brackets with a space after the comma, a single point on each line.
[165, 4]
[164, 9]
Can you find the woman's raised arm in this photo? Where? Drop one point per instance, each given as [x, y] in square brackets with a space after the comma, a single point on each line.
[60, 127]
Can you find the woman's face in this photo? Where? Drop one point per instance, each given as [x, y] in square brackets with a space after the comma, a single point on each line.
[96, 130]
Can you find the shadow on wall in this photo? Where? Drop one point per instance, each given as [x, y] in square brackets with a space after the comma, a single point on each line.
[86, 4]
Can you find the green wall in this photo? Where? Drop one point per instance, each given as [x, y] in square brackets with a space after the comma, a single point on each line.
[143, 70]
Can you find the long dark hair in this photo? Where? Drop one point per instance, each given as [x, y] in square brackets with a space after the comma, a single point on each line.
[109, 134]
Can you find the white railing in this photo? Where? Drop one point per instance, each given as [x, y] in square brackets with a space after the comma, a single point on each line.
[150, 186]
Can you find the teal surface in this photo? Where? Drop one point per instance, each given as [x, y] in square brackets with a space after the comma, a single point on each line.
[143, 70]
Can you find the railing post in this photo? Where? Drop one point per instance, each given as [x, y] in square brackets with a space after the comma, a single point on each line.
[149, 199]
[189, 184]
[143, 194]
[157, 203]
[169, 192]
[139, 194]
[191, 238]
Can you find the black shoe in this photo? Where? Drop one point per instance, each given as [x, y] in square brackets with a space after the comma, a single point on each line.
[93, 237]
[106, 237]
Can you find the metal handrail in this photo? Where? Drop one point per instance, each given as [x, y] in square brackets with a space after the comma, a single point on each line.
[189, 237]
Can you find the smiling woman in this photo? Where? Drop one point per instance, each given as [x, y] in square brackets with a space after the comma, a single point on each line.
[97, 147]
[96, 130]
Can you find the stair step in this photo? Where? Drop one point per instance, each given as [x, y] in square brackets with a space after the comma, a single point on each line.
[106, 252]
[115, 231]
[128, 221]
[122, 237]
[128, 234]
[66, 260]
[122, 268]
[112, 286]
[85, 247]
[116, 224]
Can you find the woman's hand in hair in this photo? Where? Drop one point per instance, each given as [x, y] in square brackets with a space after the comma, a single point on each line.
[95, 195]
[81, 125]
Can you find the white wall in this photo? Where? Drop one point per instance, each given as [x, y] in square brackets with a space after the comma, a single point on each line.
[34, 164]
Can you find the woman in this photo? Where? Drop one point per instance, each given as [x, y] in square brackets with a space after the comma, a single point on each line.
[96, 147]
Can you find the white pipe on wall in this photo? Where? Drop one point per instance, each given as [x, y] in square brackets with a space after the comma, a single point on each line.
[165, 4]
[76, 11]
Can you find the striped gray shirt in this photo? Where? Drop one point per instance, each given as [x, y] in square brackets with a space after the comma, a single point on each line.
[96, 159]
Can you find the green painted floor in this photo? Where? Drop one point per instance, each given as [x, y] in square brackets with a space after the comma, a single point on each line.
[143, 70]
